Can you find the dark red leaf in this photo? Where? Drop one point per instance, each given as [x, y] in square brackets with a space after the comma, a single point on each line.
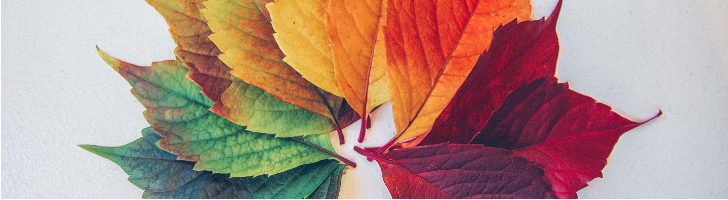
[550, 112]
[567, 134]
[519, 53]
[460, 171]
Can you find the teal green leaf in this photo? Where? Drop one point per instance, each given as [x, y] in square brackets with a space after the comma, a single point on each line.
[180, 113]
[329, 189]
[160, 176]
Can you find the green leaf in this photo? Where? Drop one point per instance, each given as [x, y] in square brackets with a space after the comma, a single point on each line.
[179, 112]
[160, 176]
[329, 189]
[237, 101]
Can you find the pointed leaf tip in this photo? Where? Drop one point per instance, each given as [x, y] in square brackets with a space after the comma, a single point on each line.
[111, 61]
[87, 147]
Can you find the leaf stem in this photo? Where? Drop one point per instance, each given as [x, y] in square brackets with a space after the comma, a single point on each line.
[363, 129]
[341, 135]
[363, 152]
[342, 159]
[366, 123]
[386, 146]
[372, 156]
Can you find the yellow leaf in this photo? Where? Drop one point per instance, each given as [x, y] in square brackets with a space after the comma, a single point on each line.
[301, 35]
[355, 28]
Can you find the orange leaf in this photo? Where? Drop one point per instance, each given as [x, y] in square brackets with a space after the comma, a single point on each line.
[355, 28]
[431, 49]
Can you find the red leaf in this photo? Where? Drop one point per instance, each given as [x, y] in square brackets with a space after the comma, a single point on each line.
[512, 104]
[567, 134]
[403, 184]
[460, 171]
[519, 53]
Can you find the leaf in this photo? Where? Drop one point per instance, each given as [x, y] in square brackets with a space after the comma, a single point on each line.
[234, 99]
[329, 189]
[403, 184]
[355, 29]
[504, 105]
[431, 47]
[179, 113]
[567, 134]
[242, 31]
[460, 171]
[160, 176]
[301, 35]
[520, 53]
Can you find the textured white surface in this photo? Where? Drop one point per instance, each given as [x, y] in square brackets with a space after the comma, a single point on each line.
[636, 56]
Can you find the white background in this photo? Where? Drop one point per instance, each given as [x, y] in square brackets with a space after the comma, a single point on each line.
[636, 56]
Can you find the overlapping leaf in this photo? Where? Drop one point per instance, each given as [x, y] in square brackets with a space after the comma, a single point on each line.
[179, 113]
[234, 99]
[520, 53]
[355, 28]
[567, 134]
[511, 130]
[242, 31]
[432, 47]
[460, 171]
[505, 106]
[161, 176]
